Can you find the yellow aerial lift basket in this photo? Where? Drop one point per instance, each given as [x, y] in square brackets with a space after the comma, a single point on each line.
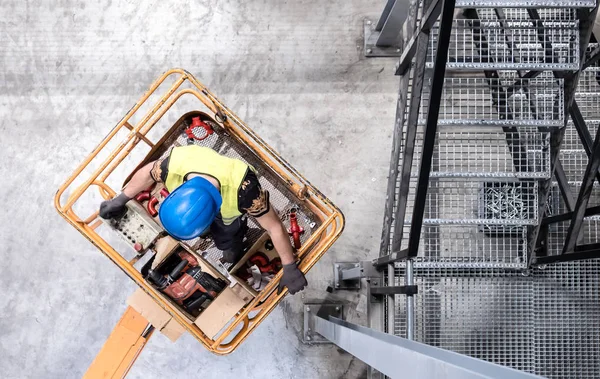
[163, 115]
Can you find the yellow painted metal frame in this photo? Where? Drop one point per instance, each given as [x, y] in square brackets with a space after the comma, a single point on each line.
[122, 347]
[331, 220]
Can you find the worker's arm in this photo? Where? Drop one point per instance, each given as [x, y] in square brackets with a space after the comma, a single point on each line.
[141, 180]
[292, 277]
[281, 240]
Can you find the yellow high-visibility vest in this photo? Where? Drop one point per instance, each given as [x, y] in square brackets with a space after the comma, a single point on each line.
[229, 172]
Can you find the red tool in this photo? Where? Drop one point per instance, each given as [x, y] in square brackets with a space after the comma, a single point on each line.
[187, 284]
[197, 123]
[295, 230]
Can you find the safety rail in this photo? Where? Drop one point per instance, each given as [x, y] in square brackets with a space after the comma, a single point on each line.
[330, 218]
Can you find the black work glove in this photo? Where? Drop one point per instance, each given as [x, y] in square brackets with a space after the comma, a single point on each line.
[292, 278]
[114, 208]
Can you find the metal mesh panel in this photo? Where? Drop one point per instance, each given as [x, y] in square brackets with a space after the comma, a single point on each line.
[476, 295]
[588, 94]
[547, 14]
[470, 246]
[557, 205]
[545, 322]
[589, 233]
[480, 153]
[526, 3]
[460, 201]
[512, 44]
[572, 142]
[588, 83]
[475, 101]
[486, 314]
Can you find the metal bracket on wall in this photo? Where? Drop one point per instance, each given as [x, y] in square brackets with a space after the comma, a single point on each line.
[370, 43]
[346, 276]
[312, 310]
[382, 38]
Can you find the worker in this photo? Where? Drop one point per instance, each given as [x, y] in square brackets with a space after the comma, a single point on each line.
[211, 193]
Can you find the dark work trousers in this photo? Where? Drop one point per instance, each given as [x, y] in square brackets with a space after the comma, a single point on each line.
[229, 236]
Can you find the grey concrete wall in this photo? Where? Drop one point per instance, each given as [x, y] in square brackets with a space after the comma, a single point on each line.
[71, 69]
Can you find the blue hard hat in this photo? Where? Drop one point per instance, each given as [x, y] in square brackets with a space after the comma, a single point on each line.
[190, 208]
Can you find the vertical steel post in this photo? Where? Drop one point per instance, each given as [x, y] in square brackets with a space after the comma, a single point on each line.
[410, 301]
[391, 300]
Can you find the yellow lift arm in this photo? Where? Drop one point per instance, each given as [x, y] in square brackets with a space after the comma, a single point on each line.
[122, 347]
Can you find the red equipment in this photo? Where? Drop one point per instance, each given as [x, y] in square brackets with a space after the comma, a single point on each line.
[152, 201]
[197, 123]
[295, 230]
[187, 284]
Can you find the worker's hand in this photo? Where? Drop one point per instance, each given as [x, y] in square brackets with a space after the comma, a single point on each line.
[292, 278]
[114, 208]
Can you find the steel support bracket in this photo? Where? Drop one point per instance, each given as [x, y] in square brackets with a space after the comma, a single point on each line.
[371, 36]
[346, 275]
[408, 290]
[312, 310]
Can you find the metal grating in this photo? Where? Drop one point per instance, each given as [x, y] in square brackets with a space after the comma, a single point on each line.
[513, 44]
[475, 101]
[546, 14]
[590, 233]
[588, 94]
[492, 153]
[476, 295]
[571, 141]
[526, 3]
[545, 321]
[589, 82]
[467, 202]
[574, 163]
[557, 205]
[470, 246]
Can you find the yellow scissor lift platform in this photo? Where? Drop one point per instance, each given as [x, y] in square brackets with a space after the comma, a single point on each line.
[160, 120]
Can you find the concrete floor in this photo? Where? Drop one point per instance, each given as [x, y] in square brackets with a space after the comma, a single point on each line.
[293, 70]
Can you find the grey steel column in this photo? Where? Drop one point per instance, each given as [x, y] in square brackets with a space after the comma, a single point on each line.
[410, 301]
[391, 301]
[390, 31]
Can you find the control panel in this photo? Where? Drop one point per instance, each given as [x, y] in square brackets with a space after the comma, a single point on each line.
[136, 227]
